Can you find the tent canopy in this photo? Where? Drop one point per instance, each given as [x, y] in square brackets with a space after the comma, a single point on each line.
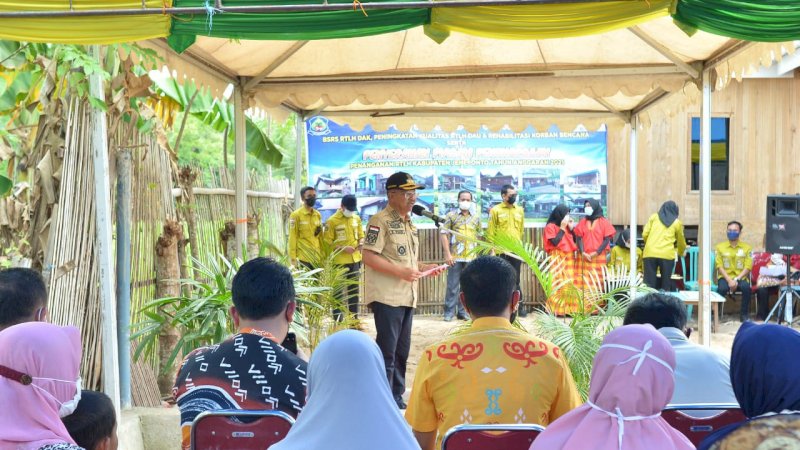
[401, 76]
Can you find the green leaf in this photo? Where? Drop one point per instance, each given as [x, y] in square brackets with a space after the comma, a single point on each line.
[98, 104]
[5, 185]
[11, 57]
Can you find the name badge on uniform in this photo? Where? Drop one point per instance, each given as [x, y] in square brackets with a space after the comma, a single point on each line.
[372, 234]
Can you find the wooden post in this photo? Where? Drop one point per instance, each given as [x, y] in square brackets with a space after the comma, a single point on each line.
[704, 305]
[105, 261]
[239, 139]
[633, 161]
[124, 206]
[167, 285]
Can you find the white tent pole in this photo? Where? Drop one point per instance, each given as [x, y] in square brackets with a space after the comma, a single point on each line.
[240, 162]
[300, 134]
[704, 305]
[105, 260]
[633, 197]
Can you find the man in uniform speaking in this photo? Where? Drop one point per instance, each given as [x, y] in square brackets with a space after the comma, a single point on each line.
[391, 272]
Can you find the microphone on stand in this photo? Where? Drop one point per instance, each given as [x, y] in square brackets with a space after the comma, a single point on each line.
[420, 211]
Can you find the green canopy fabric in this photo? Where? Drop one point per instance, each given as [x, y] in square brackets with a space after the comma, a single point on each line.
[749, 20]
[291, 26]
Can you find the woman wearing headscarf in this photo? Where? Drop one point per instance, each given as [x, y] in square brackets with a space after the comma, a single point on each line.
[764, 375]
[349, 404]
[620, 257]
[559, 243]
[593, 236]
[632, 381]
[39, 384]
[663, 242]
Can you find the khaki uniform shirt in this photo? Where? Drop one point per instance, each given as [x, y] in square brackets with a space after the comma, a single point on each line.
[464, 224]
[304, 245]
[395, 238]
[508, 219]
[341, 231]
[735, 260]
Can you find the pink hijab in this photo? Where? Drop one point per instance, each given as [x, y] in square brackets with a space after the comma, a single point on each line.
[29, 418]
[632, 381]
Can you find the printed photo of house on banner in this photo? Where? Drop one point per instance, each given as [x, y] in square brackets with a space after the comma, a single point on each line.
[547, 167]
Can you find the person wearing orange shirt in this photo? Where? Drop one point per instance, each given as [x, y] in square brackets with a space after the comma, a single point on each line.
[559, 243]
[594, 233]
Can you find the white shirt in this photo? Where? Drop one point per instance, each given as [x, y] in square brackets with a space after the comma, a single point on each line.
[702, 375]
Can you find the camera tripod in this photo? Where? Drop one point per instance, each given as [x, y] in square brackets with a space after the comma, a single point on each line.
[788, 295]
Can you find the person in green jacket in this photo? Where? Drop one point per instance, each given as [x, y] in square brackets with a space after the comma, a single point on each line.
[663, 243]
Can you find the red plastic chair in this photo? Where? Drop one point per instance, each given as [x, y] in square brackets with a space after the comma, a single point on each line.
[236, 429]
[695, 428]
[491, 437]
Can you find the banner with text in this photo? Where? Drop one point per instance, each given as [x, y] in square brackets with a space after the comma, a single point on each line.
[547, 168]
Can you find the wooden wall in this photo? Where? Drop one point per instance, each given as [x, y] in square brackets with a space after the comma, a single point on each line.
[764, 155]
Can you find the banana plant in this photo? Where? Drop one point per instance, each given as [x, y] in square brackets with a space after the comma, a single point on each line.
[172, 96]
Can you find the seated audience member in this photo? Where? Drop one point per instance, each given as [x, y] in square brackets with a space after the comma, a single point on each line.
[491, 372]
[701, 374]
[631, 383]
[23, 297]
[249, 370]
[771, 278]
[350, 406]
[93, 425]
[734, 261]
[39, 384]
[764, 373]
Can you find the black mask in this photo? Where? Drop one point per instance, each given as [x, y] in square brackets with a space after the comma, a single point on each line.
[311, 201]
[512, 199]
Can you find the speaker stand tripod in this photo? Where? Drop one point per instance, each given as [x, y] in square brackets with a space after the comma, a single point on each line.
[785, 301]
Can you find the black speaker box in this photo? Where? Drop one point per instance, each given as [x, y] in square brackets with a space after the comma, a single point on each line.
[783, 224]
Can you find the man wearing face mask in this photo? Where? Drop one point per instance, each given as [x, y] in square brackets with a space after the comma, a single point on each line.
[305, 231]
[734, 261]
[343, 232]
[509, 219]
[458, 233]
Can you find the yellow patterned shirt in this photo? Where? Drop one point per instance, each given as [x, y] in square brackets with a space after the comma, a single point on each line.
[491, 373]
[468, 226]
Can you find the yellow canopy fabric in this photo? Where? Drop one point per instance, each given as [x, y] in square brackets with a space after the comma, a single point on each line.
[544, 21]
[83, 30]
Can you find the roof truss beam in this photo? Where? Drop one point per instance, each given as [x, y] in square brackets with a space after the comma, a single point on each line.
[253, 82]
[693, 69]
[464, 73]
[624, 115]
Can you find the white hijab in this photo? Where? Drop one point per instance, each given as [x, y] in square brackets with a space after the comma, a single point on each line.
[349, 404]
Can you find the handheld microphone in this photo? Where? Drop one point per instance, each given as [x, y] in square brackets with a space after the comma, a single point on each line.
[420, 211]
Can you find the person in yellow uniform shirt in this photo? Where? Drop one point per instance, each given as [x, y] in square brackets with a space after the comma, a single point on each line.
[458, 233]
[490, 372]
[305, 231]
[509, 219]
[663, 237]
[734, 261]
[620, 257]
[343, 232]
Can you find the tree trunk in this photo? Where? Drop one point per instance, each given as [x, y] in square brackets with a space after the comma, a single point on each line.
[227, 238]
[167, 274]
[252, 237]
[186, 179]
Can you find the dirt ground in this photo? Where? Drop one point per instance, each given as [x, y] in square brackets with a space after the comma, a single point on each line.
[427, 330]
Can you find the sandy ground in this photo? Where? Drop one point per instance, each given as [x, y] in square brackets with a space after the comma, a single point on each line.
[427, 330]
